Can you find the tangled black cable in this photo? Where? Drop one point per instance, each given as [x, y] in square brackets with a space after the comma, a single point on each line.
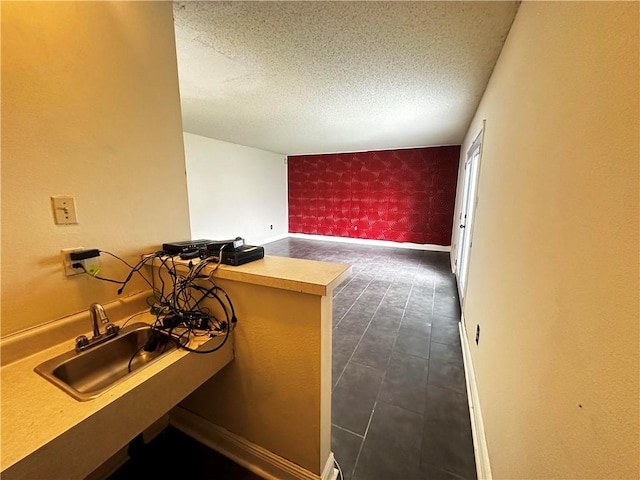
[178, 304]
[181, 308]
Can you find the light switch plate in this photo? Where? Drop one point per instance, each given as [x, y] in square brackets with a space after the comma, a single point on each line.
[64, 209]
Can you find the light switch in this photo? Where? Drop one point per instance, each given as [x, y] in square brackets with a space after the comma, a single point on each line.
[64, 209]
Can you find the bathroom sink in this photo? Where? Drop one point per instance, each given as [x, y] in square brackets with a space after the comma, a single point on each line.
[86, 375]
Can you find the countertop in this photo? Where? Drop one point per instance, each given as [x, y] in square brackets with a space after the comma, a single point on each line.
[35, 412]
[297, 275]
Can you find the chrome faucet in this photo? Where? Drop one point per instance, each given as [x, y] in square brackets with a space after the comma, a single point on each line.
[98, 316]
[97, 313]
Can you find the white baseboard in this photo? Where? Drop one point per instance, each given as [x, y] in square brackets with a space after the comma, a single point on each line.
[377, 243]
[271, 239]
[483, 466]
[253, 457]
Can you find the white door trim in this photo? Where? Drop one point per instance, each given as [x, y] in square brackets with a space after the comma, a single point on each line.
[473, 161]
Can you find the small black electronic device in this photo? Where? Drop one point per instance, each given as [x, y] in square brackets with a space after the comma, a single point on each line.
[234, 251]
[240, 255]
[187, 246]
[216, 245]
[190, 255]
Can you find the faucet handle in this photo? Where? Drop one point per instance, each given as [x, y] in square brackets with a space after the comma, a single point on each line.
[81, 342]
[111, 329]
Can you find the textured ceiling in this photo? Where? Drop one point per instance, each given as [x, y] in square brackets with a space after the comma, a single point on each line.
[319, 77]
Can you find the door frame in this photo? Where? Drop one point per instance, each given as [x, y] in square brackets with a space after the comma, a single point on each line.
[468, 207]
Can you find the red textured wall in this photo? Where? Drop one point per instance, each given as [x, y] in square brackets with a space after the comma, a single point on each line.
[398, 195]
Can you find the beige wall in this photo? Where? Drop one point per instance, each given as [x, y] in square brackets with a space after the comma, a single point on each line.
[90, 108]
[554, 267]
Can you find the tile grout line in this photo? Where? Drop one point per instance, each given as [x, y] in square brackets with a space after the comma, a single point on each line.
[449, 389]
[347, 430]
[443, 343]
[363, 333]
[383, 377]
[433, 299]
[455, 475]
[351, 279]
[337, 294]
[393, 347]
[342, 287]
[428, 366]
[355, 464]
[354, 302]
[428, 362]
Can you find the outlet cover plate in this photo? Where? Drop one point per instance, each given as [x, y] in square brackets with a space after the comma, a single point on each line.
[69, 271]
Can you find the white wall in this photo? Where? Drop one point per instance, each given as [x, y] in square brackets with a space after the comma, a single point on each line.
[553, 279]
[90, 108]
[235, 190]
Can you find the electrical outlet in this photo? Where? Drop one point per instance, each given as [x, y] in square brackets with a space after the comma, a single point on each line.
[69, 271]
[91, 265]
[270, 227]
[477, 333]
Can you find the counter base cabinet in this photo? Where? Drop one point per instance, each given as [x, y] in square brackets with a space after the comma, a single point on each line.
[277, 392]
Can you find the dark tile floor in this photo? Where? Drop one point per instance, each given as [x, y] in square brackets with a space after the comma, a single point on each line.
[400, 406]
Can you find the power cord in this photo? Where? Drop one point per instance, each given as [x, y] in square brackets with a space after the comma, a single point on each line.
[134, 269]
[79, 265]
[178, 303]
[181, 308]
[340, 474]
[131, 318]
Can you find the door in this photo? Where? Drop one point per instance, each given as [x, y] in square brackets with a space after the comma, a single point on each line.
[467, 212]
